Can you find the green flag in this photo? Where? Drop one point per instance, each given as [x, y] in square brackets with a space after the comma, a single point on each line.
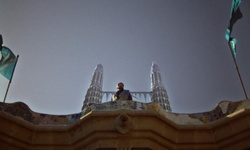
[7, 62]
[234, 16]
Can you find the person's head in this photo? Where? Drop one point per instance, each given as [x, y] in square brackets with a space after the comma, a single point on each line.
[120, 86]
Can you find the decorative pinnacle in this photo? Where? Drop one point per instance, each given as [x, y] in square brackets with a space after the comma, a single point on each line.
[154, 68]
[99, 68]
[97, 76]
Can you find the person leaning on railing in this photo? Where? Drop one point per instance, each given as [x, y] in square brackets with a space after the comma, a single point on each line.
[121, 93]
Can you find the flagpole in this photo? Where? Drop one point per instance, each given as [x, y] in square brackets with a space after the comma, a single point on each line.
[10, 79]
[237, 69]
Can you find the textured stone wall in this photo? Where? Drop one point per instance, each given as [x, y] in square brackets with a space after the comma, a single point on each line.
[222, 110]
[21, 110]
[126, 125]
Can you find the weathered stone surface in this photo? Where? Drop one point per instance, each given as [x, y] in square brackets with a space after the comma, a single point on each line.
[126, 125]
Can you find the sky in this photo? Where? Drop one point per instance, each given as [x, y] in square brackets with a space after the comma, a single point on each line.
[60, 42]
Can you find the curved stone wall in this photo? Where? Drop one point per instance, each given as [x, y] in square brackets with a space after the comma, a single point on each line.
[222, 110]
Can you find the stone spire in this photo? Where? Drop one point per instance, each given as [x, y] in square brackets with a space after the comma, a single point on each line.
[159, 93]
[94, 93]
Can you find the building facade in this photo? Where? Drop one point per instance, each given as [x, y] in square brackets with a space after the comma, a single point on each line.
[126, 125]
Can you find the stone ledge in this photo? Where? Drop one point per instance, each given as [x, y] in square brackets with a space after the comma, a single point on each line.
[97, 127]
[224, 109]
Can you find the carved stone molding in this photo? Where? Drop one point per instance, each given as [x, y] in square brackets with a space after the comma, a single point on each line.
[123, 123]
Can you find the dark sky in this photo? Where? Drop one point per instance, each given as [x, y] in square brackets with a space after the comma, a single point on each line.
[60, 42]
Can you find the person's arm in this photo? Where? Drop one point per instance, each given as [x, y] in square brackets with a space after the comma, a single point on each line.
[113, 98]
[129, 96]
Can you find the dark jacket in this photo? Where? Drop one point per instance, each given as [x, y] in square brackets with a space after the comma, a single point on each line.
[122, 95]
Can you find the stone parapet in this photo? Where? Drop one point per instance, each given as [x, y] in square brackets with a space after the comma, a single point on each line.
[126, 125]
